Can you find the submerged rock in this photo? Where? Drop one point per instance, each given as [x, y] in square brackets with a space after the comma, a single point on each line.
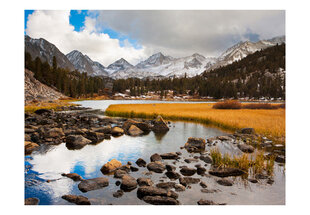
[166, 185]
[110, 166]
[226, 172]
[179, 187]
[93, 184]
[203, 184]
[206, 159]
[118, 194]
[172, 175]
[225, 182]
[154, 191]
[206, 202]
[79, 200]
[188, 180]
[119, 173]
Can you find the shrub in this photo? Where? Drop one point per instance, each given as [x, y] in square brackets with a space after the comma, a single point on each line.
[228, 104]
[259, 106]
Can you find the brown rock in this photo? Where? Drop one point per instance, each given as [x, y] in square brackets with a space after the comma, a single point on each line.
[55, 133]
[128, 183]
[73, 176]
[160, 126]
[76, 141]
[110, 166]
[195, 144]
[226, 172]
[93, 184]
[141, 163]
[155, 157]
[144, 182]
[117, 131]
[79, 200]
[160, 200]
[156, 166]
[32, 201]
[30, 147]
[134, 131]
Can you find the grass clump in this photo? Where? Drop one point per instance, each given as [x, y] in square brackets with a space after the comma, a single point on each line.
[228, 104]
[257, 163]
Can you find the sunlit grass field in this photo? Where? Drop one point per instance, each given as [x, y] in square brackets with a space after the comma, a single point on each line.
[267, 122]
[55, 105]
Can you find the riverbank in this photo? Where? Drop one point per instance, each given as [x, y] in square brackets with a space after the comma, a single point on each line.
[266, 122]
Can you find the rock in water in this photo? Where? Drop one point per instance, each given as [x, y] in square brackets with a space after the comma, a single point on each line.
[170, 156]
[188, 180]
[110, 166]
[144, 182]
[79, 200]
[156, 166]
[76, 141]
[118, 194]
[205, 202]
[225, 182]
[73, 176]
[226, 172]
[280, 159]
[160, 126]
[93, 184]
[30, 147]
[119, 173]
[154, 191]
[55, 133]
[172, 175]
[206, 159]
[188, 171]
[128, 183]
[195, 144]
[160, 200]
[134, 131]
[141, 163]
[246, 148]
[32, 201]
[117, 131]
[155, 157]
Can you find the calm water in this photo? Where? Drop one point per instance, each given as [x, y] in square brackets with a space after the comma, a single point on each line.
[48, 164]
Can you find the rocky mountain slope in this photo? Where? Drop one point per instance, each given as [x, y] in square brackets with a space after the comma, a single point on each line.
[35, 90]
[84, 64]
[158, 65]
[45, 51]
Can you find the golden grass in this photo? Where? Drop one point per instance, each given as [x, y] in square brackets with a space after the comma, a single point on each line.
[266, 122]
[55, 105]
[257, 162]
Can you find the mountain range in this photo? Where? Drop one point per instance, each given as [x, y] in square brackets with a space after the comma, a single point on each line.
[158, 65]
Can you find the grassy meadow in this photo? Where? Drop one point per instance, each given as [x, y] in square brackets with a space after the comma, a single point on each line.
[270, 122]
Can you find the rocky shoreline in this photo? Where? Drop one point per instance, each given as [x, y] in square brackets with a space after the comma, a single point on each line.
[77, 128]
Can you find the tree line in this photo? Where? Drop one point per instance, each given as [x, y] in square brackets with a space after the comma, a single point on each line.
[254, 76]
[70, 83]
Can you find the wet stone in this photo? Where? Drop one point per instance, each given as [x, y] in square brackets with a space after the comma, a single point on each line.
[156, 166]
[93, 184]
[118, 194]
[172, 175]
[203, 184]
[32, 201]
[186, 171]
[155, 157]
[141, 163]
[79, 200]
[144, 182]
[225, 182]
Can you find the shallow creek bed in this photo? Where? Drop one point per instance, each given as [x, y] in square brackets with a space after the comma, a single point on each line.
[80, 157]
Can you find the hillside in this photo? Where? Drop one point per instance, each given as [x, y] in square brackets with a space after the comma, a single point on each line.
[35, 90]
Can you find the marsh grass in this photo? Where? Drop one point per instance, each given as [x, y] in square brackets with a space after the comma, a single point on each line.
[250, 164]
[270, 123]
[55, 105]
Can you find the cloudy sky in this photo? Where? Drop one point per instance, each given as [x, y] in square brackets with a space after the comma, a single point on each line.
[105, 36]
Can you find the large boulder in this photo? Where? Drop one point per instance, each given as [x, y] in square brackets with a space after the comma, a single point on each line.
[143, 126]
[160, 126]
[128, 183]
[156, 166]
[134, 131]
[110, 166]
[79, 200]
[73, 176]
[32, 201]
[30, 147]
[226, 172]
[76, 141]
[117, 131]
[93, 184]
[195, 144]
[160, 200]
[246, 148]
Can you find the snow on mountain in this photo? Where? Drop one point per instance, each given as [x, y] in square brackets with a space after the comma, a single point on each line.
[118, 65]
[160, 65]
[84, 64]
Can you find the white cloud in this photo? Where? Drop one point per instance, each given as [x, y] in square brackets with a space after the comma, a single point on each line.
[54, 26]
